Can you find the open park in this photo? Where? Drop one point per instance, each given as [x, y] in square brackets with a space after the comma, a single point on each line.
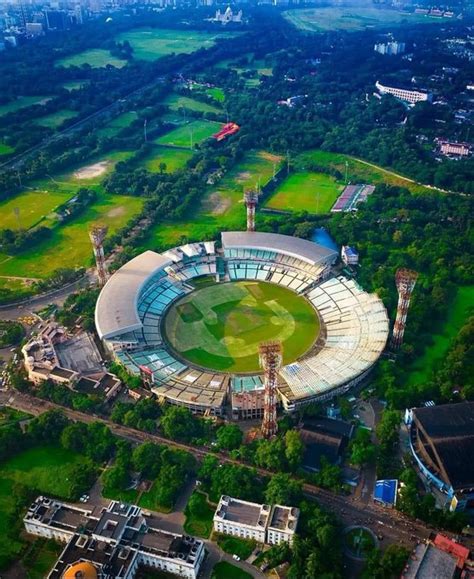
[189, 134]
[94, 57]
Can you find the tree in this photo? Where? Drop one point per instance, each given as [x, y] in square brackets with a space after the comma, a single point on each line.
[197, 505]
[362, 449]
[329, 475]
[294, 450]
[283, 490]
[229, 436]
[47, 427]
[116, 478]
[74, 437]
[270, 454]
[178, 423]
[146, 458]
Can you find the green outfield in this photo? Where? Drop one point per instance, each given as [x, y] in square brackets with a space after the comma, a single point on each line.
[177, 102]
[172, 157]
[56, 119]
[311, 192]
[194, 132]
[22, 102]
[153, 43]
[95, 58]
[221, 326]
[352, 18]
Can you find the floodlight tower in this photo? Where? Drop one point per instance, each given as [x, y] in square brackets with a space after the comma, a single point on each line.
[405, 280]
[271, 357]
[250, 200]
[97, 235]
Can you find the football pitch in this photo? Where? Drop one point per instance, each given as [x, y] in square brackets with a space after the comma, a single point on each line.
[220, 327]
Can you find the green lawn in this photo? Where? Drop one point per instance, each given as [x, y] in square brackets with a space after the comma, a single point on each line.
[352, 18]
[5, 149]
[311, 192]
[220, 327]
[74, 84]
[32, 206]
[173, 158]
[224, 570]
[358, 171]
[177, 102]
[243, 548]
[129, 496]
[114, 127]
[22, 102]
[200, 526]
[149, 500]
[221, 208]
[55, 120]
[95, 58]
[153, 43]
[195, 132]
[216, 93]
[70, 244]
[463, 306]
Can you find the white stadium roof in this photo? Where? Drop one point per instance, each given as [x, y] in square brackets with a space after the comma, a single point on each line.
[116, 309]
[308, 251]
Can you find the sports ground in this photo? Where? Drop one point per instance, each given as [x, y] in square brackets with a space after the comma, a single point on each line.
[220, 327]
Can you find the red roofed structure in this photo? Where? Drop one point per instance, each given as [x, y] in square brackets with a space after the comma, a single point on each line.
[458, 551]
[227, 130]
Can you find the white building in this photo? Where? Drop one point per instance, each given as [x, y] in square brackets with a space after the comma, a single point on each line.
[409, 96]
[349, 255]
[390, 48]
[262, 523]
[113, 542]
[449, 148]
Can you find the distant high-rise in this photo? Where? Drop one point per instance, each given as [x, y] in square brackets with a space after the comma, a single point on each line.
[390, 48]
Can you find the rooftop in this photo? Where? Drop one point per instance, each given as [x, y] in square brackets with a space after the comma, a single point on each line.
[243, 512]
[428, 562]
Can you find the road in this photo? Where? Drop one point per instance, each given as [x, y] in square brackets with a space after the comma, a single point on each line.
[389, 523]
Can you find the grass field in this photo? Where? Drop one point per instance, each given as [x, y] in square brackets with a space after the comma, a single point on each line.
[149, 500]
[247, 63]
[221, 208]
[351, 18]
[220, 327]
[55, 120]
[198, 131]
[74, 84]
[32, 206]
[153, 43]
[200, 526]
[95, 58]
[46, 469]
[311, 192]
[173, 158]
[224, 570]
[243, 548]
[177, 102]
[116, 125]
[463, 306]
[5, 149]
[359, 171]
[23, 102]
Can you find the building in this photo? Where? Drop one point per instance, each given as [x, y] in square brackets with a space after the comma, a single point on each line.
[385, 492]
[390, 48]
[441, 558]
[442, 445]
[326, 437]
[112, 543]
[410, 96]
[452, 149]
[263, 523]
[349, 255]
[228, 16]
[135, 301]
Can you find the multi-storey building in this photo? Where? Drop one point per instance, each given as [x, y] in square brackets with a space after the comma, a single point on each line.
[112, 543]
[263, 523]
[390, 48]
[407, 95]
[450, 148]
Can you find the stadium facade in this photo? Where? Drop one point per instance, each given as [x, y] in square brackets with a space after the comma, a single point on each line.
[135, 300]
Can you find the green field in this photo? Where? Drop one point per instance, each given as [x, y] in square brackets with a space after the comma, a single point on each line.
[351, 18]
[74, 84]
[224, 570]
[243, 548]
[200, 526]
[149, 500]
[221, 326]
[114, 127]
[359, 171]
[221, 208]
[420, 372]
[95, 58]
[173, 158]
[5, 149]
[46, 469]
[32, 206]
[153, 43]
[55, 120]
[177, 102]
[23, 102]
[311, 192]
[197, 131]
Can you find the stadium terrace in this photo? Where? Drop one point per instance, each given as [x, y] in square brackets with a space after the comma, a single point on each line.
[135, 301]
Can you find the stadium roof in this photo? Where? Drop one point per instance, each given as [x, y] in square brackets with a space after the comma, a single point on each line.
[309, 251]
[116, 311]
[449, 429]
[386, 491]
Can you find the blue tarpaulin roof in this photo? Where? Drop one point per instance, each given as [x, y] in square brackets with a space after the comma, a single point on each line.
[386, 491]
